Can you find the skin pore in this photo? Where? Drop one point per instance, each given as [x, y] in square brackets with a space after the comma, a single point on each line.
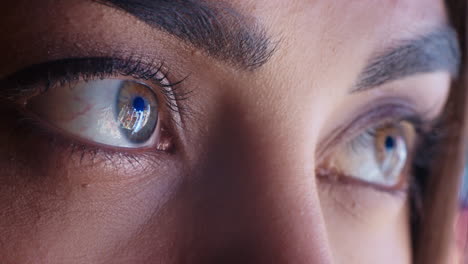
[266, 93]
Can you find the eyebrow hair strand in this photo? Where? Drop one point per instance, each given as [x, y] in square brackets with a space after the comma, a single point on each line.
[221, 31]
[436, 51]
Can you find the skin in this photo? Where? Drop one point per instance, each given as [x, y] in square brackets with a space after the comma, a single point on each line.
[239, 185]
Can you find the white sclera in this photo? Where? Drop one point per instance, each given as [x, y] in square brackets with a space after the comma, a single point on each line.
[86, 110]
[361, 161]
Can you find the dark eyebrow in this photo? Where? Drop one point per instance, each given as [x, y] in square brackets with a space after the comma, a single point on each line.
[216, 28]
[433, 52]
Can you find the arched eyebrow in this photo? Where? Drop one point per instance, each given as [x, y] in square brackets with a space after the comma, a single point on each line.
[217, 29]
[434, 52]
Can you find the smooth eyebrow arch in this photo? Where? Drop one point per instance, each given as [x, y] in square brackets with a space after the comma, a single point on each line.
[437, 51]
[216, 28]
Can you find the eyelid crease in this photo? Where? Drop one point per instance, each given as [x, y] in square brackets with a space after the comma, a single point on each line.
[389, 112]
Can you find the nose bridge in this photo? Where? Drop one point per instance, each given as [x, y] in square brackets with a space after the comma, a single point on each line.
[263, 192]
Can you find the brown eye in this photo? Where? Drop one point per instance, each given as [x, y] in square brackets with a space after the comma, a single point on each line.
[116, 113]
[377, 156]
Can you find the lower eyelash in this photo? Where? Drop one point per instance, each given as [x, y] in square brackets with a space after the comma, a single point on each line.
[387, 113]
[37, 79]
[33, 132]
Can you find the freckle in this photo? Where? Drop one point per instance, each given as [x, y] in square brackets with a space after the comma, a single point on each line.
[85, 185]
[196, 52]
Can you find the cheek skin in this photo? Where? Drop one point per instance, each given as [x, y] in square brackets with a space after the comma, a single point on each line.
[251, 188]
[236, 206]
[56, 220]
[237, 188]
[377, 221]
[64, 206]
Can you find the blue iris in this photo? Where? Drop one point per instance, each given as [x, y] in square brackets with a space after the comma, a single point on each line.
[389, 143]
[139, 104]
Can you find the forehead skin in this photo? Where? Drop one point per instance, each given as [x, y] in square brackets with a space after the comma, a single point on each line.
[334, 39]
[244, 189]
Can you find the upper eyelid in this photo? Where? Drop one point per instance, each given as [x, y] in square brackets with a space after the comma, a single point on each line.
[33, 76]
[373, 117]
[24, 82]
[91, 67]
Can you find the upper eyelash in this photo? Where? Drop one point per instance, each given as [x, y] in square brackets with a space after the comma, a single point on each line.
[384, 114]
[421, 127]
[361, 140]
[39, 78]
[427, 141]
[24, 83]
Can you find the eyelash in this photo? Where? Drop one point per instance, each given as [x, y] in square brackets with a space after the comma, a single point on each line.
[422, 155]
[67, 71]
[38, 79]
[419, 124]
[64, 72]
[73, 150]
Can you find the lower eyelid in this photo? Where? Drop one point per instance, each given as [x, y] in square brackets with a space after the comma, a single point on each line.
[26, 83]
[74, 153]
[334, 177]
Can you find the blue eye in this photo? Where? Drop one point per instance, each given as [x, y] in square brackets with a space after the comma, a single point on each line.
[117, 113]
[136, 112]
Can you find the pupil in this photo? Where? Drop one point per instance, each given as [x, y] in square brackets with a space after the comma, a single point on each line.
[389, 143]
[139, 104]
